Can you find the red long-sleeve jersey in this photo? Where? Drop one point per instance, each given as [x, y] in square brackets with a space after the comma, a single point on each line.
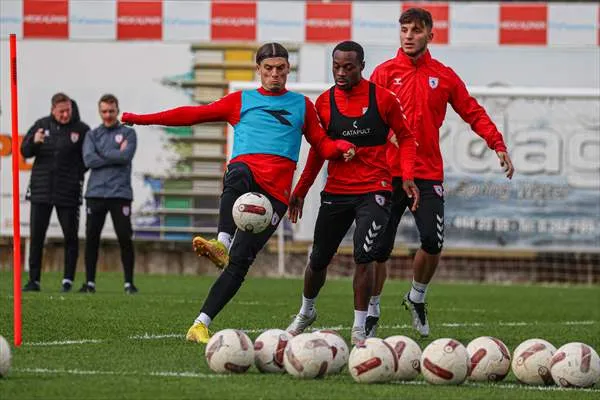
[424, 88]
[273, 173]
[368, 171]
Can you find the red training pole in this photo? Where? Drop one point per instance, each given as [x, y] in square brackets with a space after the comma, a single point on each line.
[16, 196]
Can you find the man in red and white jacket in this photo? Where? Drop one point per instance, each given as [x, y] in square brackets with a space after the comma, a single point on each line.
[424, 87]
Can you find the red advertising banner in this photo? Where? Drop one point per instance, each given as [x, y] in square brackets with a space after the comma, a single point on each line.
[523, 24]
[139, 20]
[233, 21]
[328, 22]
[46, 19]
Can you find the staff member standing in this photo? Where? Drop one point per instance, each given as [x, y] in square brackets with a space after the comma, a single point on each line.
[108, 151]
[56, 181]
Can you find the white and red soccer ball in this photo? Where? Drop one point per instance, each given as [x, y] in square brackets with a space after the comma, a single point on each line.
[575, 365]
[531, 362]
[307, 356]
[489, 359]
[372, 360]
[269, 350]
[408, 353]
[229, 351]
[253, 212]
[339, 348]
[445, 362]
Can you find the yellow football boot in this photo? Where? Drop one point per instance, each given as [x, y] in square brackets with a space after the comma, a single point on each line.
[216, 251]
[198, 333]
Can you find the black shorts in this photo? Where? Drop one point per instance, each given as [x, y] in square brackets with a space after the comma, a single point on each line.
[429, 217]
[371, 212]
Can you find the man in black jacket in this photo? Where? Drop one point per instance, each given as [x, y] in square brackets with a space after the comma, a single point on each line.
[56, 181]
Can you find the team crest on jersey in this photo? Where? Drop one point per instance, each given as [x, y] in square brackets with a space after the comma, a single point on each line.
[126, 211]
[379, 199]
[433, 82]
[74, 137]
[119, 138]
[397, 81]
[439, 190]
[275, 219]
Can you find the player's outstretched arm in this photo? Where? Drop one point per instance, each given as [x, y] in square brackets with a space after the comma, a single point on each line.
[226, 109]
[475, 115]
[315, 135]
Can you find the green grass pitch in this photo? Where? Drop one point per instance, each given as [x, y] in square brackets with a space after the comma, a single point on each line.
[109, 345]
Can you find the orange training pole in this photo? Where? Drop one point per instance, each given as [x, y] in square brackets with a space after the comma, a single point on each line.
[16, 201]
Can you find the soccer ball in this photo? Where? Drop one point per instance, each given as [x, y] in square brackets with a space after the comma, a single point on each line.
[269, 348]
[445, 361]
[5, 357]
[229, 350]
[338, 347]
[372, 360]
[253, 212]
[307, 356]
[575, 365]
[531, 362]
[408, 353]
[489, 359]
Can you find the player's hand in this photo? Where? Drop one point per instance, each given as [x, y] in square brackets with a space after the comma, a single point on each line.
[506, 163]
[295, 210]
[123, 145]
[128, 118]
[348, 149]
[349, 155]
[39, 136]
[412, 191]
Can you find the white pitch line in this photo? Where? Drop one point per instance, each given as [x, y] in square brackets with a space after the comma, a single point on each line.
[510, 386]
[148, 336]
[183, 374]
[158, 336]
[65, 342]
[189, 374]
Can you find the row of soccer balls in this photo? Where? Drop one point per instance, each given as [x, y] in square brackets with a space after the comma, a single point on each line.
[444, 361]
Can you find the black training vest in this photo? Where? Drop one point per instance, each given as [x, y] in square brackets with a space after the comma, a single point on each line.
[366, 130]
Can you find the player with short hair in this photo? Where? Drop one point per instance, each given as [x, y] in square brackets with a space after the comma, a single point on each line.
[268, 126]
[356, 191]
[424, 86]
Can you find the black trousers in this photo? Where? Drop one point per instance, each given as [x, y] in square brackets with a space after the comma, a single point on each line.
[68, 217]
[120, 212]
[245, 245]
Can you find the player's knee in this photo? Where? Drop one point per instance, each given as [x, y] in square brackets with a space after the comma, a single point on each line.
[364, 254]
[382, 254]
[238, 268]
[383, 250]
[432, 245]
[319, 261]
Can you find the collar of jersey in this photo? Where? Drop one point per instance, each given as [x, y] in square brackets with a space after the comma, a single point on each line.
[265, 92]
